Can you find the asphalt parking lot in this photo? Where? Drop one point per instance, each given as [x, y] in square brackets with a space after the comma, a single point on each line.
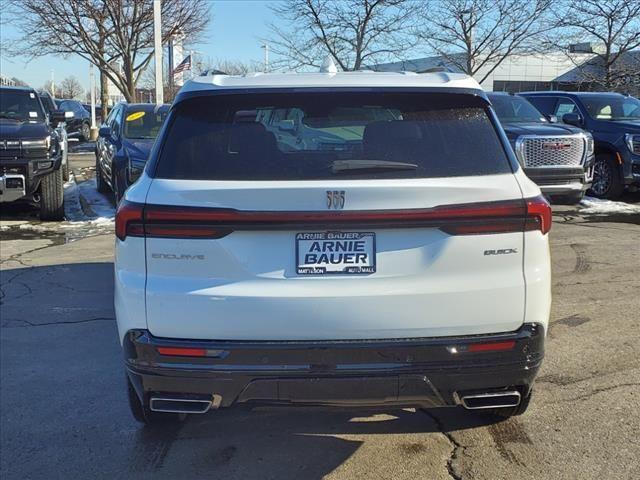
[64, 412]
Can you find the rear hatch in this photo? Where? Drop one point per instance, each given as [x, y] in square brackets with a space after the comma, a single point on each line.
[325, 216]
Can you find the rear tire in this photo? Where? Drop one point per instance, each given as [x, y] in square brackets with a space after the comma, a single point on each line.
[101, 186]
[143, 414]
[52, 196]
[85, 132]
[512, 411]
[606, 177]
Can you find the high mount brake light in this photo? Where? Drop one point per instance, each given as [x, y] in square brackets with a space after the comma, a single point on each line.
[465, 219]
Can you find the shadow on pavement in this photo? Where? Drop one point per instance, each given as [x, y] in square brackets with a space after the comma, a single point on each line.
[64, 409]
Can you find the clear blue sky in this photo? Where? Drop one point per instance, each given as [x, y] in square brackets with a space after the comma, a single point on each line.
[232, 34]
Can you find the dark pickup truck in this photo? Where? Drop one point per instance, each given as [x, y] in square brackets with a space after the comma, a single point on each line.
[558, 157]
[30, 153]
[614, 121]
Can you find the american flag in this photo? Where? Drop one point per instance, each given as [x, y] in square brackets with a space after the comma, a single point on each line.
[184, 65]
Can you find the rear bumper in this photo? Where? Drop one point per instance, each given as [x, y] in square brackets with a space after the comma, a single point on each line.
[425, 372]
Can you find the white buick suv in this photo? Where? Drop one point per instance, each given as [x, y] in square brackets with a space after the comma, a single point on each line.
[332, 239]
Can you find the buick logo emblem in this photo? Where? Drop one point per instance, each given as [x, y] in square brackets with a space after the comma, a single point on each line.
[556, 145]
[335, 199]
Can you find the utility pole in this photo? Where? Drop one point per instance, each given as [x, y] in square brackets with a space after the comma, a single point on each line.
[53, 86]
[157, 42]
[266, 57]
[92, 86]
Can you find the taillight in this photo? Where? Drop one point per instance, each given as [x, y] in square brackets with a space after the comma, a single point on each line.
[539, 215]
[129, 218]
[162, 221]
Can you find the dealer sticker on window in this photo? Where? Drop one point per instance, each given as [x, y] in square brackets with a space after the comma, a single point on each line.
[325, 253]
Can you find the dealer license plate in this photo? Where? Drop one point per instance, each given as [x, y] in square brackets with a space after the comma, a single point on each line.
[331, 253]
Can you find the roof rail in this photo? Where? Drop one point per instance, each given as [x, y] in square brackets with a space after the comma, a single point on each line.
[437, 69]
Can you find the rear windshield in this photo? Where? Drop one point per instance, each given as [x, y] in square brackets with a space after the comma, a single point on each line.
[307, 136]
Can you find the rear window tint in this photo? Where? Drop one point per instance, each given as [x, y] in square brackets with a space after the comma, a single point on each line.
[300, 136]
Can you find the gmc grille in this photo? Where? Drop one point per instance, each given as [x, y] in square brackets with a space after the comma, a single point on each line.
[636, 144]
[564, 151]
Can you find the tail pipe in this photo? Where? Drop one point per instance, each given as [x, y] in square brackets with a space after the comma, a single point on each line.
[171, 404]
[479, 401]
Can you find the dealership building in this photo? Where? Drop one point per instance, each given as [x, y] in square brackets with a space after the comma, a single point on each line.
[549, 71]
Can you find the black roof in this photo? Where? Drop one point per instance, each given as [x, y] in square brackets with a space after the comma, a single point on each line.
[14, 87]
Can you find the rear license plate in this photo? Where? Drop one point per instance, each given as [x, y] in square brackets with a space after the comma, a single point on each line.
[332, 253]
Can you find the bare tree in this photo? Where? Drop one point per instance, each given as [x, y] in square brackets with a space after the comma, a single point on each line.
[476, 36]
[48, 86]
[70, 88]
[114, 35]
[613, 26]
[355, 33]
[231, 67]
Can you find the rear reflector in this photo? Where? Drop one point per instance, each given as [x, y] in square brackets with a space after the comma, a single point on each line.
[492, 347]
[161, 221]
[182, 352]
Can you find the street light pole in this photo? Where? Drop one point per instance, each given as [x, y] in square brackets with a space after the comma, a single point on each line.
[266, 57]
[92, 86]
[157, 42]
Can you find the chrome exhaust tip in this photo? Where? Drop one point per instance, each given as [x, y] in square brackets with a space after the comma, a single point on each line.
[479, 401]
[183, 405]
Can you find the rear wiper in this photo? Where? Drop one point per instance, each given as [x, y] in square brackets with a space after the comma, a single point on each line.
[339, 166]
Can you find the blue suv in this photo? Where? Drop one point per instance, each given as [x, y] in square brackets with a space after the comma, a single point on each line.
[614, 121]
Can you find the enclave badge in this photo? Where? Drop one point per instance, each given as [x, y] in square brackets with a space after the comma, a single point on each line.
[335, 199]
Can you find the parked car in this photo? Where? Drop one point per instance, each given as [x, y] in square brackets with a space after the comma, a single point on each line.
[124, 142]
[410, 269]
[558, 157]
[50, 107]
[30, 152]
[614, 121]
[87, 107]
[80, 124]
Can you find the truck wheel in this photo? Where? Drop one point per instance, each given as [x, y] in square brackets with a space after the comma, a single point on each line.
[85, 132]
[52, 196]
[144, 415]
[100, 185]
[512, 411]
[606, 177]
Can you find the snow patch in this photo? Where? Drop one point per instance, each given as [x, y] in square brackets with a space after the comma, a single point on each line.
[598, 206]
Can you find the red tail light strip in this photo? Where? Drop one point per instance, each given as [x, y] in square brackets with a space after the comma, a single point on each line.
[465, 219]
[492, 347]
[182, 352]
